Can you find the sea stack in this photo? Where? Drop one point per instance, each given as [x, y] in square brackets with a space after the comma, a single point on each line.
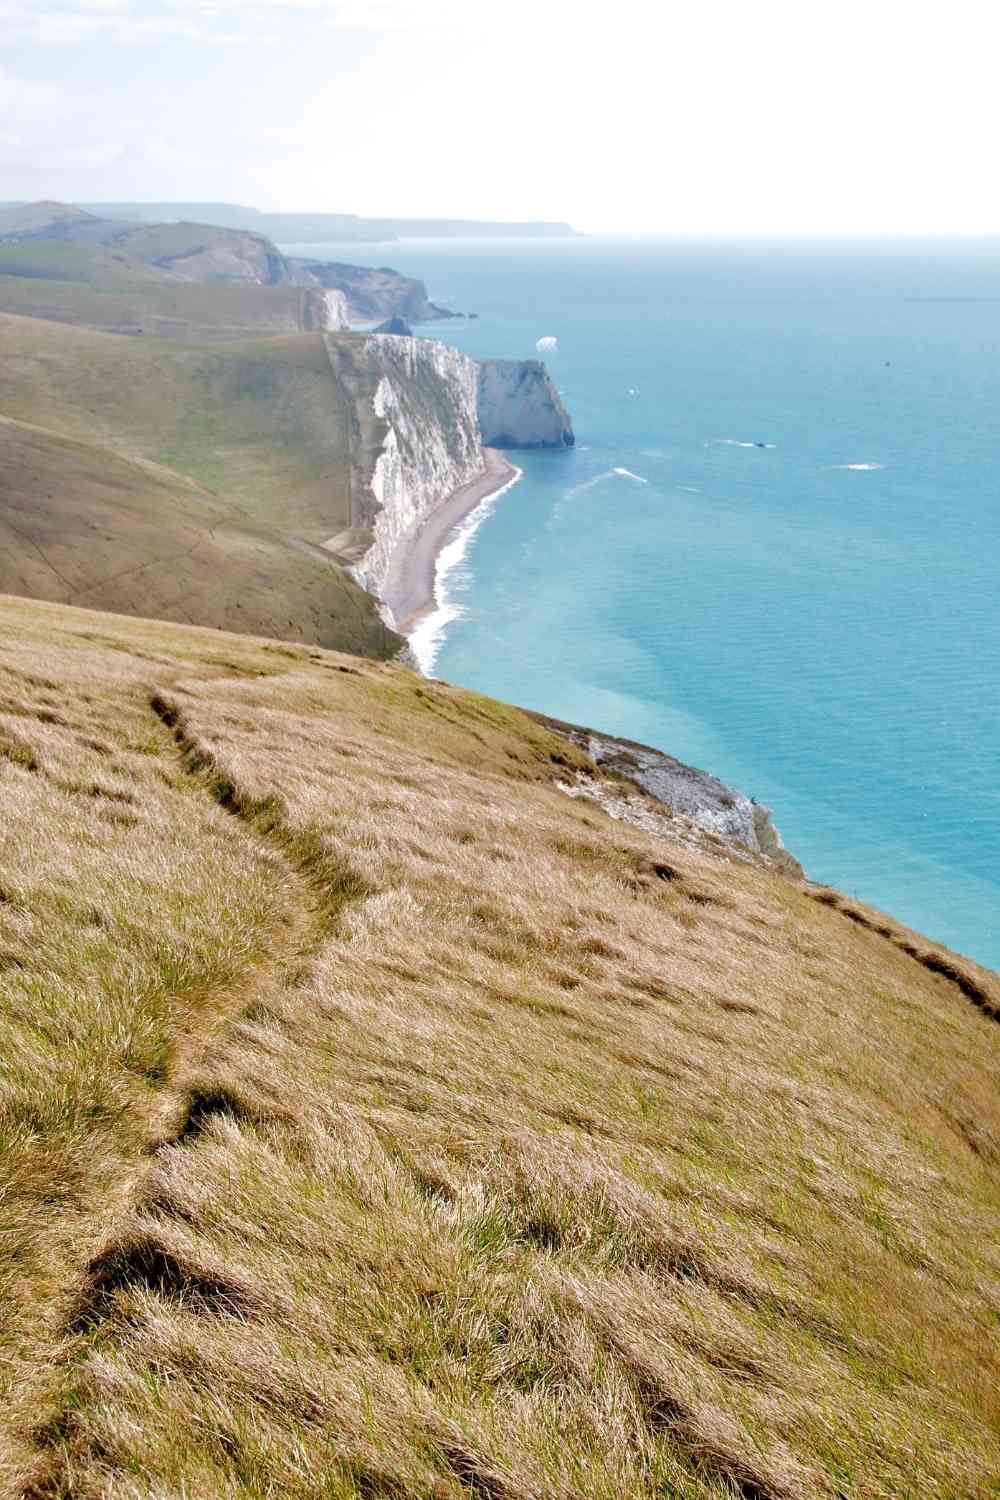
[519, 406]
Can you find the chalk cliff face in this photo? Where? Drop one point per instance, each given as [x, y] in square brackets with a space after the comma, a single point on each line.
[427, 398]
[519, 406]
[335, 310]
[419, 431]
[416, 437]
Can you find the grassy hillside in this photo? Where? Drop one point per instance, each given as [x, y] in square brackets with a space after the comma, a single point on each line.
[189, 483]
[39, 218]
[82, 524]
[259, 421]
[107, 289]
[57, 260]
[205, 252]
[194, 251]
[377, 1121]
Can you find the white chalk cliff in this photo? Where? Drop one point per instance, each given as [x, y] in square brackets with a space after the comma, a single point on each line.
[426, 399]
[423, 412]
[335, 312]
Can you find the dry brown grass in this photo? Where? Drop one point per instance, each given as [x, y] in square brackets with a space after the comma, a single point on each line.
[378, 1121]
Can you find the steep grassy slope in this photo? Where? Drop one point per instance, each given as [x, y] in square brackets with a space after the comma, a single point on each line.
[84, 525]
[58, 260]
[107, 289]
[191, 250]
[258, 421]
[203, 252]
[379, 1121]
[187, 483]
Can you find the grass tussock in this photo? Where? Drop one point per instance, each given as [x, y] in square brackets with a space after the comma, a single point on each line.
[377, 1121]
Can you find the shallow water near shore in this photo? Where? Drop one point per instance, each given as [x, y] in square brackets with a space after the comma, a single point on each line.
[815, 619]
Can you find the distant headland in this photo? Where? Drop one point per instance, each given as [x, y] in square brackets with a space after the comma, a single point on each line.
[305, 228]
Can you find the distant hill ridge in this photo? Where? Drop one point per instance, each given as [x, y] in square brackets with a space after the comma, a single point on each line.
[299, 228]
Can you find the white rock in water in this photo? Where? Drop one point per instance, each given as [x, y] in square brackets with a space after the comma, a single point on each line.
[548, 345]
[519, 406]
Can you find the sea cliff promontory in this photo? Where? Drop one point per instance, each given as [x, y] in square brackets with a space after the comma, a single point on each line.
[135, 277]
[371, 293]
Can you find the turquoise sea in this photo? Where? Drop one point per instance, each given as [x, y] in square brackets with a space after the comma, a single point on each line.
[814, 620]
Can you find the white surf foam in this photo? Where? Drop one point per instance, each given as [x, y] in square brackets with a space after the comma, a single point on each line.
[588, 484]
[427, 637]
[860, 467]
[739, 443]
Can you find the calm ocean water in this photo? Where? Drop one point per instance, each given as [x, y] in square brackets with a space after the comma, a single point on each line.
[815, 620]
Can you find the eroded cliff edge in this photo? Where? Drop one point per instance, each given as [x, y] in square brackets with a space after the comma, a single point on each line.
[718, 810]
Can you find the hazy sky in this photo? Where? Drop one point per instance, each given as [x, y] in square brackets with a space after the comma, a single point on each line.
[763, 115]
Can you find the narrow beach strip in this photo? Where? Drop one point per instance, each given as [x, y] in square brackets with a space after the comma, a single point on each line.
[414, 588]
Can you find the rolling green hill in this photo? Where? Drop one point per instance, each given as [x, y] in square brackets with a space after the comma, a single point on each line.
[45, 217]
[83, 524]
[193, 251]
[95, 266]
[259, 421]
[110, 290]
[378, 1122]
[188, 482]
